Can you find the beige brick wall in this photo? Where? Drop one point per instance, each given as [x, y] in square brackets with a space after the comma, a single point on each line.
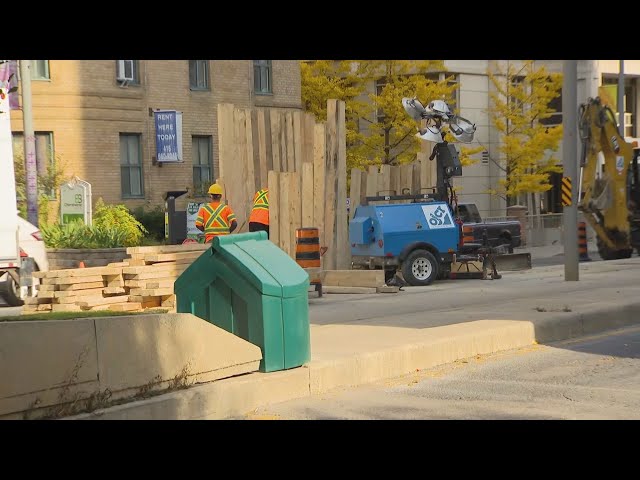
[86, 109]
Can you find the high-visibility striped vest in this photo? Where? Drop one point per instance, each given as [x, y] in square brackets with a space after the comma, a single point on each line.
[260, 210]
[216, 219]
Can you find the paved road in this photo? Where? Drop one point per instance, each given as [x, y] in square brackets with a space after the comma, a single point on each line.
[593, 378]
[558, 260]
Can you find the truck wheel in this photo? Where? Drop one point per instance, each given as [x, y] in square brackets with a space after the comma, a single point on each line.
[11, 292]
[420, 268]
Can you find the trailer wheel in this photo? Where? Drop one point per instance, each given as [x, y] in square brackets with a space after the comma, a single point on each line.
[10, 292]
[420, 268]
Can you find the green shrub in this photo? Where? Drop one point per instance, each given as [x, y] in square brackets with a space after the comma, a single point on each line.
[78, 235]
[110, 219]
[153, 221]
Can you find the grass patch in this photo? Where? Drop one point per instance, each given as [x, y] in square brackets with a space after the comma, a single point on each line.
[74, 315]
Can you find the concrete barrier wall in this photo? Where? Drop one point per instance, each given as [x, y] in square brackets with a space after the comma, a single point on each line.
[54, 367]
[62, 258]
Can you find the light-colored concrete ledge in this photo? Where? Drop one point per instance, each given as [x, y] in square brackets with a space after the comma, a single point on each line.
[235, 397]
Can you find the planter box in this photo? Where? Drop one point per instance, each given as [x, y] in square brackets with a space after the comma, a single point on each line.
[63, 258]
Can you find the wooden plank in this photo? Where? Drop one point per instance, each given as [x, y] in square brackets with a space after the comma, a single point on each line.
[353, 278]
[149, 275]
[307, 194]
[125, 307]
[275, 142]
[343, 248]
[295, 215]
[425, 174]
[290, 142]
[38, 300]
[226, 140]
[81, 286]
[332, 289]
[285, 213]
[319, 170]
[152, 283]
[372, 181]
[309, 122]
[274, 206]
[395, 180]
[171, 267]
[114, 290]
[250, 179]
[406, 178]
[187, 247]
[171, 257]
[168, 300]
[255, 146]
[90, 302]
[267, 138]
[182, 262]
[354, 191]
[76, 280]
[298, 139]
[78, 293]
[118, 264]
[151, 292]
[417, 189]
[84, 272]
[237, 184]
[331, 256]
[385, 180]
[48, 288]
[262, 147]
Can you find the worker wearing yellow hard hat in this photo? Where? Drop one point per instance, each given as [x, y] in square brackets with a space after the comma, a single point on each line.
[215, 218]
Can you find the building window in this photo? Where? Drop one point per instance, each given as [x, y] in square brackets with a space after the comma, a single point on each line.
[40, 70]
[554, 105]
[262, 77]
[128, 70]
[131, 165]
[45, 158]
[202, 164]
[199, 74]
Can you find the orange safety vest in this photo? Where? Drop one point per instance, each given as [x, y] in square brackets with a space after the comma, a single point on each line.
[216, 219]
[260, 210]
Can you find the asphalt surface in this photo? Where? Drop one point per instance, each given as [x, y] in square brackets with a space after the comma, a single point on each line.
[592, 378]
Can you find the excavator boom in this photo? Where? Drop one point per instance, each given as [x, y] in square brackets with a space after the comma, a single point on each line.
[604, 188]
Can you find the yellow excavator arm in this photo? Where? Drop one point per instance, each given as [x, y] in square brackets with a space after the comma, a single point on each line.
[604, 191]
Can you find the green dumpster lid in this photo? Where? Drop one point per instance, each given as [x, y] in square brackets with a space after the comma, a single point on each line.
[263, 264]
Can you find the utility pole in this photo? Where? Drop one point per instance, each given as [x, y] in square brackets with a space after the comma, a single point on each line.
[570, 167]
[31, 167]
[621, 98]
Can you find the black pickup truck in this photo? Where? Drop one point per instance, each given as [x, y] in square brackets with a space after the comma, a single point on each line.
[498, 233]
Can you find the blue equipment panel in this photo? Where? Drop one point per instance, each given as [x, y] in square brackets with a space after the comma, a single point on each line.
[395, 226]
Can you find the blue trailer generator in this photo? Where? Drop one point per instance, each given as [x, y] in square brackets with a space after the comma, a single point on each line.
[420, 239]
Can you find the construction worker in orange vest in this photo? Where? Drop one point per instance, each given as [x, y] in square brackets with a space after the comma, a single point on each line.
[215, 218]
[259, 218]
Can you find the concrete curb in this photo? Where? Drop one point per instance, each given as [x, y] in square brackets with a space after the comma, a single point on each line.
[235, 397]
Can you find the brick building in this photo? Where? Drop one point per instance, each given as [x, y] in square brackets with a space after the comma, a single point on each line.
[100, 127]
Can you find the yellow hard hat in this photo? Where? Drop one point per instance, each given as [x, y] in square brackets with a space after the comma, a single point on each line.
[215, 189]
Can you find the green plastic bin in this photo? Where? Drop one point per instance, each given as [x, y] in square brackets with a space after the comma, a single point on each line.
[251, 288]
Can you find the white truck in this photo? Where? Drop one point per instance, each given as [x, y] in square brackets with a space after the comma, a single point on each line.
[21, 247]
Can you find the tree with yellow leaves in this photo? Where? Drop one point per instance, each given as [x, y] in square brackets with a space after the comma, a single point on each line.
[378, 129]
[523, 116]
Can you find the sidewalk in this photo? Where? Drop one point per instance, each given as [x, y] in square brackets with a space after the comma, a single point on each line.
[357, 339]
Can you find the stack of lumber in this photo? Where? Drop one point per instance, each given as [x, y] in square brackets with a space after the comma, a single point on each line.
[72, 290]
[152, 271]
[145, 280]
